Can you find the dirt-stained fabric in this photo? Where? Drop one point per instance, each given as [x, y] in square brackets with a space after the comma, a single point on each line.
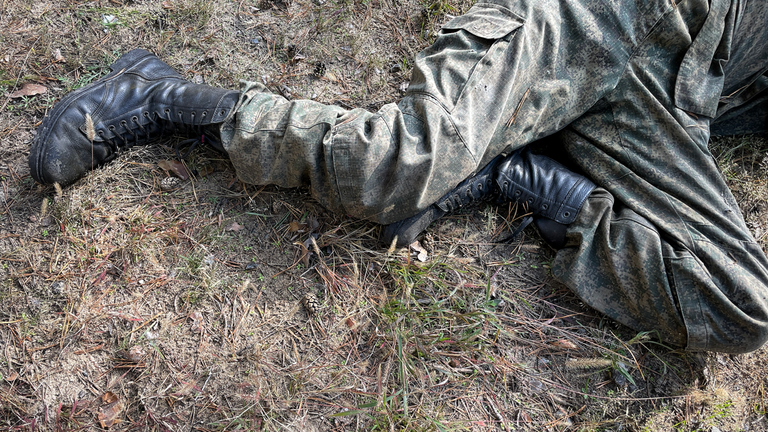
[673, 251]
[632, 86]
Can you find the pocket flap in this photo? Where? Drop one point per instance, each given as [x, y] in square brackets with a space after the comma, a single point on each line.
[487, 21]
[701, 76]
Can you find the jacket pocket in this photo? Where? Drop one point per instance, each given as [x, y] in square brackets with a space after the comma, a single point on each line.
[466, 48]
[486, 21]
[701, 76]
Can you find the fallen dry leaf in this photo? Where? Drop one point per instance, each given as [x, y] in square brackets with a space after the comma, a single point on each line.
[422, 253]
[112, 408]
[175, 167]
[197, 321]
[304, 253]
[525, 416]
[109, 398]
[235, 227]
[57, 57]
[295, 226]
[205, 170]
[29, 89]
[330, 76]
[136, 353]
[167, 4]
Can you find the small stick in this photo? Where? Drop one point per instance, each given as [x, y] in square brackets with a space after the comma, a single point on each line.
[496, 413]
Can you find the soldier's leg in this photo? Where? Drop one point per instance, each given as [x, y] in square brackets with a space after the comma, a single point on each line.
[503, 75]
[743, 105]
[663, 247]
[749, 118]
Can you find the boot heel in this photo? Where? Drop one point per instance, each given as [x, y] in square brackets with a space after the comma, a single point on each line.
[129, 59]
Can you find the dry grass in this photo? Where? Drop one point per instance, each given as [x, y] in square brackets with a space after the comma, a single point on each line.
[223, 306]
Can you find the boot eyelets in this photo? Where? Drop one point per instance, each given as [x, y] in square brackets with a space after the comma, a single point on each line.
[518, 192]
[135, 119]
[545, 206]
[223, 112]
[529, 201]
[111, 127]
[205, 114]
[123, 123]
[146, 114]
[101, 133]
[167, 111]
[566, 214]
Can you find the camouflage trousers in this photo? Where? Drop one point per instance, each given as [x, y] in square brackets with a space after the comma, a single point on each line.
[633, 88]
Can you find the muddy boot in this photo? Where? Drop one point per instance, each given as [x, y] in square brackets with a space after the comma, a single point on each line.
[552, 194]
[141, 100]
[474, 189]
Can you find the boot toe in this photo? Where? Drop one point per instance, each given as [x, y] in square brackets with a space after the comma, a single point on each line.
[406, 230]
[61, 152]
[61, 157]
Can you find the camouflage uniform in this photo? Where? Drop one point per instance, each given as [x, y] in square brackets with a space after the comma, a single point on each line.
[632, 86]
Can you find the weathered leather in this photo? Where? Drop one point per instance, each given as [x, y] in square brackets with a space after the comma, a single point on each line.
[543, 186]
[141, 100]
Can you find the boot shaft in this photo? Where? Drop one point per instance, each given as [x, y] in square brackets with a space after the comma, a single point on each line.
[543, 186]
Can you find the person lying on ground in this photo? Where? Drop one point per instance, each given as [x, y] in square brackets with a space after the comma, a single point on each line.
[646, 231]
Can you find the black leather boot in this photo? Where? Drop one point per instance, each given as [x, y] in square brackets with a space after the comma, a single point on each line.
[550, 192]
[474, 189]
[141, 100]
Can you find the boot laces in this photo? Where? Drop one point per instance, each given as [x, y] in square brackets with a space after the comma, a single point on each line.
[157, 127]
[476, 190]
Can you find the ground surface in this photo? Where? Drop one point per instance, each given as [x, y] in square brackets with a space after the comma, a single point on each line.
[130, 304]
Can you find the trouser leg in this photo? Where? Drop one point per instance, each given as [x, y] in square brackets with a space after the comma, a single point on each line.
[743, 105]
[687, 265]
[503, 75]
[749, 118]
[664, 247]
